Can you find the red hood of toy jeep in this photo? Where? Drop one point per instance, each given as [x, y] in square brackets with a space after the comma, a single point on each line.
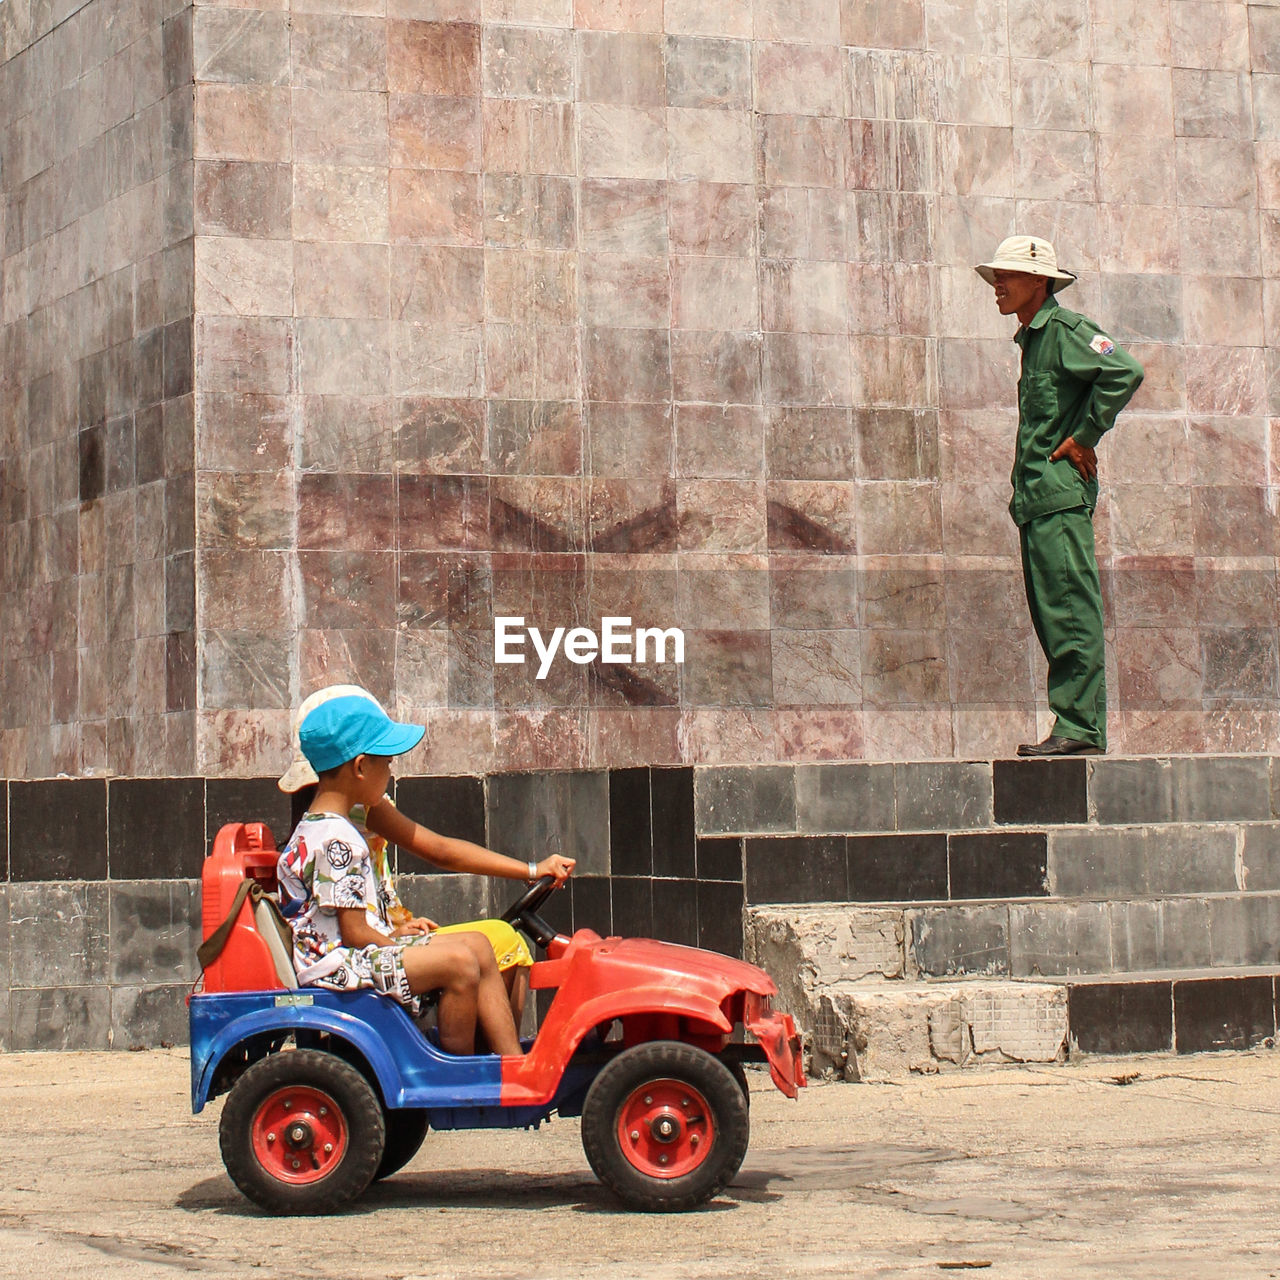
[621, 963]
[670, 992]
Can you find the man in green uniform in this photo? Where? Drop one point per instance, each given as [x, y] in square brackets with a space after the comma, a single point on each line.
[1075, 380]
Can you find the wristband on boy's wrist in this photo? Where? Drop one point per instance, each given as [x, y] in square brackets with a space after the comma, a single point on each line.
[533, 870]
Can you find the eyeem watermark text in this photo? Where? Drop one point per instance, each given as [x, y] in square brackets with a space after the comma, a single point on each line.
[616, 642]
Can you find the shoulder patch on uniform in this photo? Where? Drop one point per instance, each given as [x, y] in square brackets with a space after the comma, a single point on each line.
[1102, 344]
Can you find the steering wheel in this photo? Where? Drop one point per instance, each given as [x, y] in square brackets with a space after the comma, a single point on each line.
[524, 911]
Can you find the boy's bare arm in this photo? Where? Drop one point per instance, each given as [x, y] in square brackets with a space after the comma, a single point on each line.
[356, 930]
[456, 855]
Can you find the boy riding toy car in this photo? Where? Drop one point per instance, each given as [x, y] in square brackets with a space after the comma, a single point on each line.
[329, 1090]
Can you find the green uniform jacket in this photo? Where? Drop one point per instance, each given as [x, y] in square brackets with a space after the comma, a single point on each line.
[1074, 381]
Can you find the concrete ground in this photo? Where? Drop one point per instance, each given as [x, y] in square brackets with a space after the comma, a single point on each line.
[1141, 1167]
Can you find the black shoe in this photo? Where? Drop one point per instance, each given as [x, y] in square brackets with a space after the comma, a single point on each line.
[1055, 746]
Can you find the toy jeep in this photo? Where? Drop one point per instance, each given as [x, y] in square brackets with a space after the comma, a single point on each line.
[329, 1091]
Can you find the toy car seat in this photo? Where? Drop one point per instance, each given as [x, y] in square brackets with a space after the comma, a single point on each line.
[247, 944]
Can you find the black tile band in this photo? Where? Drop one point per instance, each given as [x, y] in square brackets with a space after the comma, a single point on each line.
[911, 867]
[1191, 1015]
[1040, 792]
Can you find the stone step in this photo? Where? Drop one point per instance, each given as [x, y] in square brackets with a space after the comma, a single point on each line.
[873, 1032]
[925, 830]
[1117, 861]
[814, 945]
[1082, 860]
[956, 795]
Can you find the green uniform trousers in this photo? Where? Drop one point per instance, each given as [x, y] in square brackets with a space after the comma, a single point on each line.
[1065, 597]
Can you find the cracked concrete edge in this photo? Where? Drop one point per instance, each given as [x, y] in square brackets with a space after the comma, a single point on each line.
[869, 1033]
[808, 951]
[842, 973]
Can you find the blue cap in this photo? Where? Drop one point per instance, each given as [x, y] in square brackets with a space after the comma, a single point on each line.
[343, 728]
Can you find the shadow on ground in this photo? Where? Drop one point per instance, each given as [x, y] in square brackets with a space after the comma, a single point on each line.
[471, 1189]
[844, 1168]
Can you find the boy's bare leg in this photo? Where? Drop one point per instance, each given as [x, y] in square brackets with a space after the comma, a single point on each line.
[517, 980]
[450, 966]
[493, 1008]
[461, 966]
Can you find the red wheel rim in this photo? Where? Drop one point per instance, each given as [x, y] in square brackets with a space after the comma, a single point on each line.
[299, 1134]
[665, 1129]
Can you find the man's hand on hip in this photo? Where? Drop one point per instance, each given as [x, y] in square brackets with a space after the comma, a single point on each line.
[1084, 459]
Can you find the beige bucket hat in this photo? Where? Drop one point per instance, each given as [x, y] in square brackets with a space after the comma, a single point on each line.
[1028, 254]
[300, 774]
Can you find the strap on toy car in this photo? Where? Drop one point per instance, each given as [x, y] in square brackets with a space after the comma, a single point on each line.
[211, 948]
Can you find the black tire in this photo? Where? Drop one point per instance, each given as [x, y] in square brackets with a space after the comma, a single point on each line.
[259, 1107]
[740, 1075]
[716, 1142]
[406, 1129]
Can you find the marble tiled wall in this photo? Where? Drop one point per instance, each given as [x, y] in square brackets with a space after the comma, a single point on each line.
[572, 307]
[97, 641]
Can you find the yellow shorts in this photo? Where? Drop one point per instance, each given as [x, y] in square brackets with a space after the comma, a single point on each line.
[509, 949]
